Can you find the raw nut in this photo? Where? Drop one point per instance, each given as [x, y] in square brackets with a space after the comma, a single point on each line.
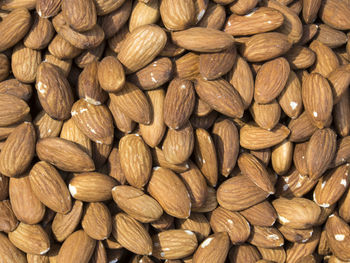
[261, 20]
[94, 121]
[18, 150]
[14, 27]
[244, 252]
[239, 192]
[64, 154]
[133, 103]
[242, 7]
[320, 152]
[170, 192]
[255, 138]
[214, 17]
[213, 249]
[8, 252]
[187, 66]
[221, 96]
[134, 55]
[135, 160]
[331, 37]
[48, 185]
[45, 126]
[295, 235]
[299, 213]
[97, 221]
[202, 39]
[236, 226]
[178, 103]
[197, 223]
[104, 7]
[326, 60]
[174, 244]
[78, 248]
[178, 144]
[133, 201]
[262, 214]
[335, 14]
[30, 238]
[270, 80]
[144, 14]
[310, 10]
[153, 75]
[12, 109]
[177, 15]
[121, 121]
[282, 156]
[25, 205]
[16, 88]
[300, 57]
[79, 14]
[266, 115]
[111, 74]
[92, 187]
[54, 91]
[131, 234]
[48, 9]
[62, 49]
[265, 46]
[8, 220]
[64, 225]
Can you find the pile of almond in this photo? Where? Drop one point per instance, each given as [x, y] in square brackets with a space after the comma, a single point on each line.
[177, 131]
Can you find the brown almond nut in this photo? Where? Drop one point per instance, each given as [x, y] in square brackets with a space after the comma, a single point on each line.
[144, 14]
[221, 96]
[53, 87]
[16, 88]
[83, 40]
[135, 160]
[131, 234]
[64, 224]
[331, 37]
[89, 55]
[48, 185]
[64, 154]
[97, 221]
[133, 201]
[64, 65]
[342, 153]
[320, 152]
[12, 109]
[133, 102]
[339, 79]
[170, 192]
[239, 192]
[104, 7]
[326, 60]
[132, 56]
[266, 115]
[297, 213]
[281, 157]
[14, 27]
[48, 9]
[62, 49]
[244, 252]
[45, 126]
[94, 121]
[335, 13]
[25, 205]
[30, 238]
[89, 87]
[178, 144]
[153, 75]
[236, 226]
[187, 66]
[13, 4]
[40, 34]
[341, 112]
[153, 133]
[111, 74]
[265, 46]
[113, 22]
[196, 185]
[18, 150]
[159, 159]
[121, 121]
[262, 214]
[78, 239]
[300, 57]
[255, 138]
[210, 203]
[214, 16]
[177, 16]
[310, 10]
[9, 252]
[92, 187]
[174, 244]
[270, 80]
[266, 237]
[295, 235]
[80, 15]
[197, 223]
[8, 220]
[213, 248]
[213, 40]
[178, 103]
[242, 7]
[263, 155]
[263, 19]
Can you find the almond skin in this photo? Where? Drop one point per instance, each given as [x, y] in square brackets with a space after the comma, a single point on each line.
[12, 109]
[8, 220]
[40, 34]
[135, 160]
[132, 56]
[177, 16]
[18, 150]
[262, 214]
[170, 192]
[8, 252]
[111, 74]
[48, 185]
[335, 14]
[132, 201]
[197, 223]
[64, 154]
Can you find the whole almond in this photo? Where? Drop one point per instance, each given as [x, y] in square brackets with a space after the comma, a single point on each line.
[262, 214]
[12, 109]
[64, 154]
[266, 115]
[177, 16]
[8, 252]
[170, 192]
[197, 223]
[62, 49]
[48, 185]
[242, 7]
[187, 66]
[104, 7]
[214, 16]
[144, 14]
[243, 253]
[45, 126]
[78, 247]
[8, 220]
[133, 201]
[326, 60]
[341, 111]
[18, 150]
[213, 248]
[111, 74]
[135, 160]
[16, 88]
[47, 9]
[335, 13]
[134, 57]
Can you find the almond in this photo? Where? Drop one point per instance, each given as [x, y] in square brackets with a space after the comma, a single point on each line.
[12, 109]
[8, 252]
[187, 66]
[16, 88]
[45, 126]
[177, 16]
[197, 223]
[281, 157]
[326, 60]
[266, 115]
[243, 253]
[213, 249]
[144, 14]
[121, 121]
[133, 201]
[111, 74]
[170, 192]
[8, 220]
[40, 34]
[341, 112]
[242, 7]
[62, 49]
[262, 214]
[104, 7]
[335, 13]
[266, 237]
[337, 231]
[47, 9]
[214, 16]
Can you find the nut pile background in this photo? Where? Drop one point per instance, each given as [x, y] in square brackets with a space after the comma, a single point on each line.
[174, 131]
